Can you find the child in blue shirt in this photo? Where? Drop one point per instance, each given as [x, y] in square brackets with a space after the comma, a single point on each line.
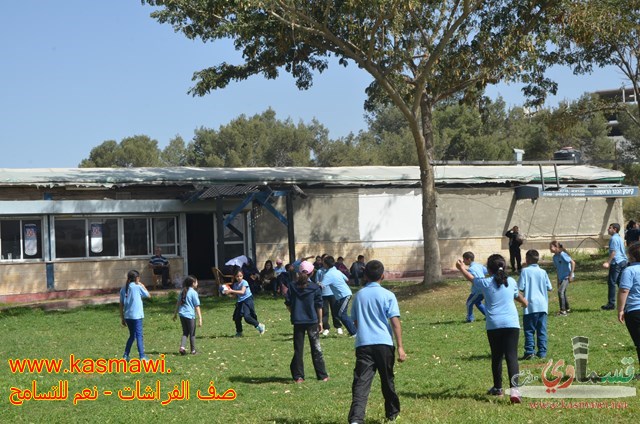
[503, 325]
[376, 316]
[132, 311]
[304, 302]
[534, 284]
[565, 267]
[475, 297]
[187, 306]
[244, 305]
[616, 262]
[629, 296]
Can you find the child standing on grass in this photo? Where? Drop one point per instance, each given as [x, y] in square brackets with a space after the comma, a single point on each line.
[503, 325]
[376, 316]
[304, 302]
[534, 283]
[132, 312]
[565, 267]
[187, 306]
[475, 297]
[244, 305]
[629, 296]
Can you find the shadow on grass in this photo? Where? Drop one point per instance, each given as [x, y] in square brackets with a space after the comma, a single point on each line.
[279, 420]
[260, 380]
[476, 357]
[406, 290]
[450, 393]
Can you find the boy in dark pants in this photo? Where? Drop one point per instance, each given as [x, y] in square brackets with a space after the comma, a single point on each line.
[376, 315]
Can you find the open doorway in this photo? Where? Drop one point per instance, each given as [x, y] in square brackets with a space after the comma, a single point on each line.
[200, 245]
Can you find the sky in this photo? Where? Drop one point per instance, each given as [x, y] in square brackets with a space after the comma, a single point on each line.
[77, 73]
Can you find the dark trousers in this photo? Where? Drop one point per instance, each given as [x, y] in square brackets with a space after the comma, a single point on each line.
[615, 271]
[164, 272]
[632, 321]
[370, 359]
[297, 362]
[188, 330]
[343, 314]
[515, 258]
[329, 303]
[246, 310]
[504, 344]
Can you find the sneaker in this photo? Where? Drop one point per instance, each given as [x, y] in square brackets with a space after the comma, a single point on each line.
[299, 380]
[561, 314]
[528, 357]
[125, 357]
[340, 331]
[568, 310]
[514, 395]
[238, 335]
[182, 351]
[193, 352]
[144, 358]
[261, 329]
[325, 379]
[607, 307]
[325, 332]
[495, 392]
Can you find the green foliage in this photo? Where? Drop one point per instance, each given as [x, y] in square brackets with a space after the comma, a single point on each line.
[175, 154]
[136, 151]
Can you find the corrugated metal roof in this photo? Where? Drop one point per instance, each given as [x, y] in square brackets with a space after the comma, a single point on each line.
[305, 177]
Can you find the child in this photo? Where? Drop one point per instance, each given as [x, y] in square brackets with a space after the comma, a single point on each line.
[337, 282]
[629, 296]
[187, 306]
[503, 325]
[304, 302]
[373, 308]
[244, 305]
[534, 283]
[475, 297]
[565, 267]
[616, 262]
[132, 312]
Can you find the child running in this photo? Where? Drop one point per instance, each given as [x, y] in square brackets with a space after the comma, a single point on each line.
[565, 267]
[503, 325]
[304, 302]
[244, 305]
[534, 284]
[132, 312]
[475, 297]
[187, 306]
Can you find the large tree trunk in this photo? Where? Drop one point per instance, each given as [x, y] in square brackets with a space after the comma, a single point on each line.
[425, 145]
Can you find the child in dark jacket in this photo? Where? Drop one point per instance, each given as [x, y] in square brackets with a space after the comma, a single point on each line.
[304, 301]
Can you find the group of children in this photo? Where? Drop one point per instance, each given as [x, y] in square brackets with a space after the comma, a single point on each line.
[374, 321]
[502, 323]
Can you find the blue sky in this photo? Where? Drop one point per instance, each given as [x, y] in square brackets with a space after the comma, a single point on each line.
[76, 73]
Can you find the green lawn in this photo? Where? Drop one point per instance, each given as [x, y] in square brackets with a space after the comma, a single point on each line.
[444, 379]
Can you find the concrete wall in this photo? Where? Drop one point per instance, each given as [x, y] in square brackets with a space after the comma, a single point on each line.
[23, 278]
[386, 224]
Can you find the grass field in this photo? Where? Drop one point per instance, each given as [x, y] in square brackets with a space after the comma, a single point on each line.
[443, 380]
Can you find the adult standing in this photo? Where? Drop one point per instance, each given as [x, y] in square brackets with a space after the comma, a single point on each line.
[616, 262]
[515, 241]
[160, 266]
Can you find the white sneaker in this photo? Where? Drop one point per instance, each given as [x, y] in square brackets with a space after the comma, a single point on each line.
[340, 331]
[325, 333]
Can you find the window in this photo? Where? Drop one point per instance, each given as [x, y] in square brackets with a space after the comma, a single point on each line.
[97, 237]
[20, 239]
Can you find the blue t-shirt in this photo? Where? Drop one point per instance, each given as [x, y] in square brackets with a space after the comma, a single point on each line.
[630, 280]
[562, 261]
[501, 311]
[616, 244]
[132, 301]
[337, 281]
[478, 271]
[372, 309]
[326, 290]
[534, 283]
[239, 286]
[188, 308]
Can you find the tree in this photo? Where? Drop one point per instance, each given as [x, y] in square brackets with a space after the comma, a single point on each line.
[136, 151]
[602, 33]
[175, 154]
[418, 53]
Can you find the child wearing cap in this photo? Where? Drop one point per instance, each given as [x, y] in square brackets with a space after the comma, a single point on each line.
[304, 302]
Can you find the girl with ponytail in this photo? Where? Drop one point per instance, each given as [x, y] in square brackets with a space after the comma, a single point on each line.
[187, 307]
[132, 312]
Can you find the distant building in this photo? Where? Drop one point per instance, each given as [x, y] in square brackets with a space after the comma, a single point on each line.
[620, 96]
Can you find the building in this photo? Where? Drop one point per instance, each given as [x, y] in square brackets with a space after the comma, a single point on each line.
[72, 229]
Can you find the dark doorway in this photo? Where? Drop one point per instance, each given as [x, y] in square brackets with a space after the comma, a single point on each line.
[200, 245]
